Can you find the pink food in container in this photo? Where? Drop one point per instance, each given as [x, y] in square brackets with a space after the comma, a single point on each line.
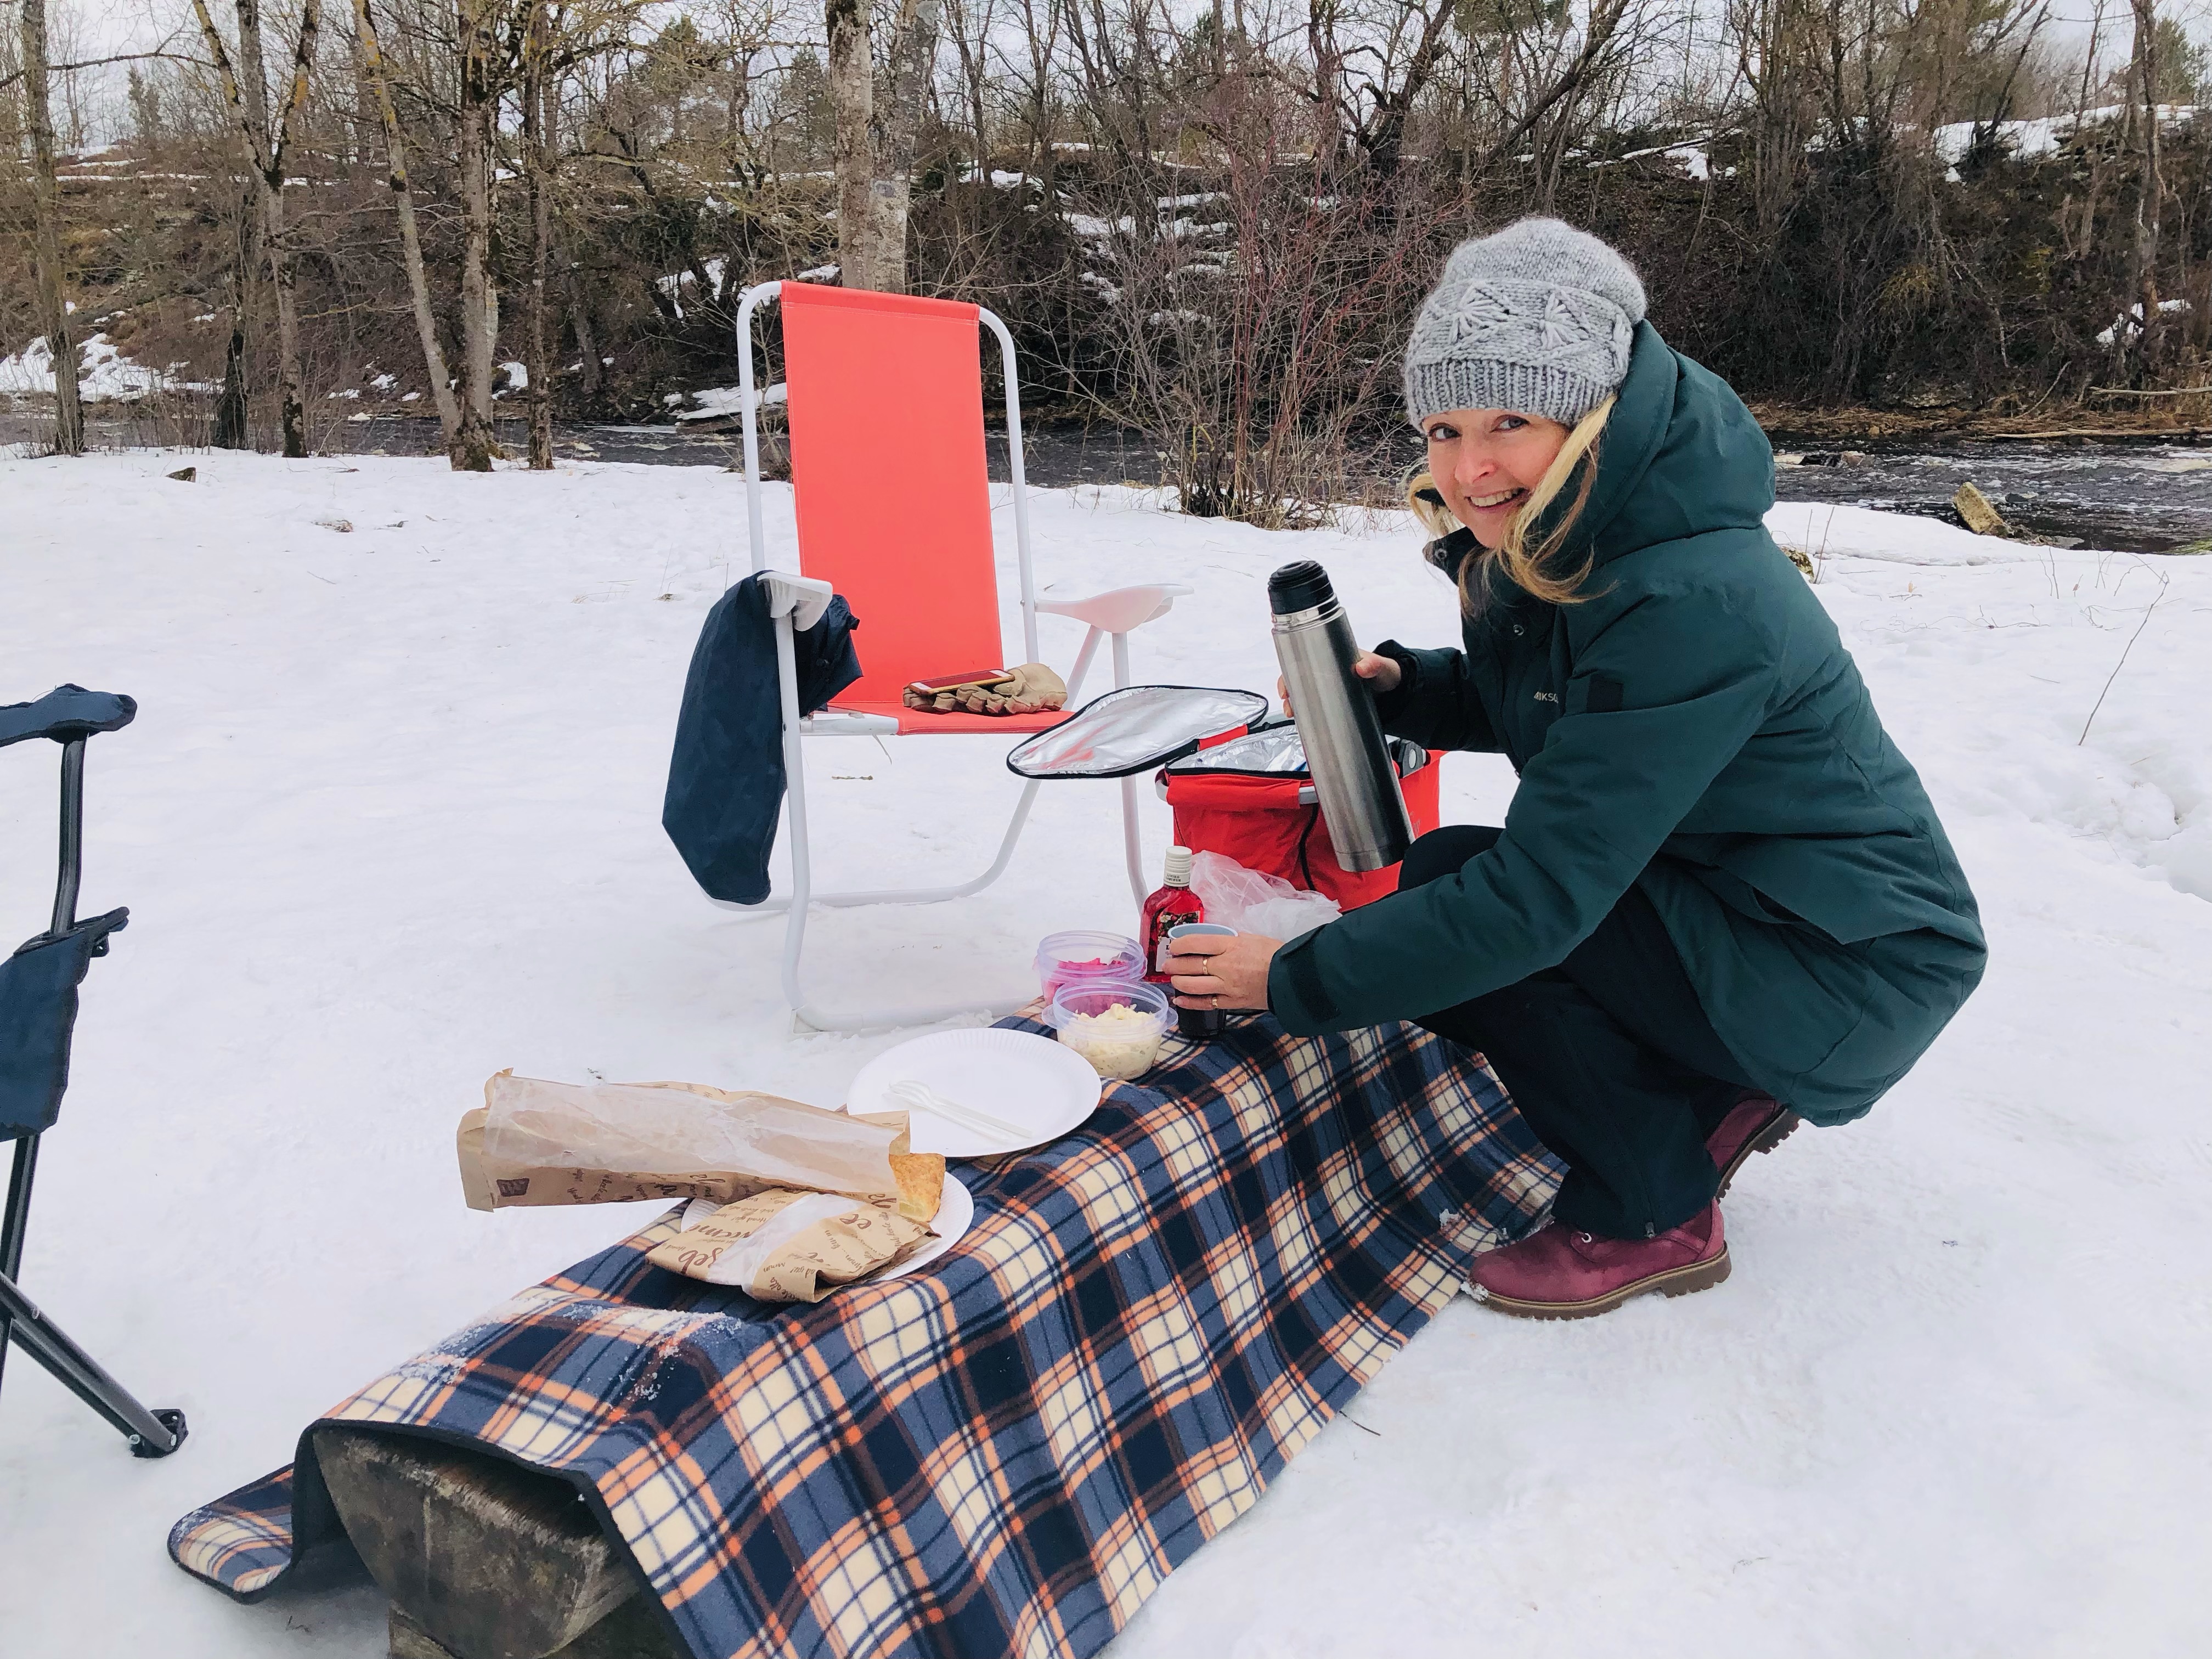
[1082, 956]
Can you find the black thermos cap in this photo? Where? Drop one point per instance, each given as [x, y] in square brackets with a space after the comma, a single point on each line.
[1298, 586]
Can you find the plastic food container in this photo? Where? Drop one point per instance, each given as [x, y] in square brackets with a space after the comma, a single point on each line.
[1117, 1028]
[1074, 957]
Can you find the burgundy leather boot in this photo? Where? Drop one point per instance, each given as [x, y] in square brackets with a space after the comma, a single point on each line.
[1562, 1273]
[1757, 1124]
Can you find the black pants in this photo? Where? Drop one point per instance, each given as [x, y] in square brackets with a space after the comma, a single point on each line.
[1609, 1055]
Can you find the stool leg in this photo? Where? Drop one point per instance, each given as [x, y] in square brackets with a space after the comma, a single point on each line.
[151, 1434]
[19, 1206]
[12, 1222]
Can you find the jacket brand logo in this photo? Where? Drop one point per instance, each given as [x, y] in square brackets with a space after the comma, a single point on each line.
[1548, 697]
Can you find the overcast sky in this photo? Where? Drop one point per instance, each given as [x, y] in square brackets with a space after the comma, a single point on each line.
[124, 25]
[98, 28]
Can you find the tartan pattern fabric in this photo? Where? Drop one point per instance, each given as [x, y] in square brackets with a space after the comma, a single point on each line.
[1006, 1453]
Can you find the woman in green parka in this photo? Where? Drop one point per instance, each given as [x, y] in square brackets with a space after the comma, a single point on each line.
[1721, 901]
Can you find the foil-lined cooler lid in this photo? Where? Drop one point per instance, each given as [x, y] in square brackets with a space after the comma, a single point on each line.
[1130, 730]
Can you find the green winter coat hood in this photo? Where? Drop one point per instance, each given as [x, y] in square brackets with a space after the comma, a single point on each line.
[1680, 455]
[1692, 725]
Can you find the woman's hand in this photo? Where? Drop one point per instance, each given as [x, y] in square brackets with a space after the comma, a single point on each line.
[1383, 671]
[1215, 971]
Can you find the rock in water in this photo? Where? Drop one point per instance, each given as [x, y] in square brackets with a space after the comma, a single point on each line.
[1977, 514]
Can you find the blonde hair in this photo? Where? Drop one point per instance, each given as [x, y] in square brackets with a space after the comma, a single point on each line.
[1527, 566]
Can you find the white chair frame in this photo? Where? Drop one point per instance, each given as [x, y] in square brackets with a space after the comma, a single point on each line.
[796, 603]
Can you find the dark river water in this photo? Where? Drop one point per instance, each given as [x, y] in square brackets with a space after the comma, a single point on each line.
[2135, 495]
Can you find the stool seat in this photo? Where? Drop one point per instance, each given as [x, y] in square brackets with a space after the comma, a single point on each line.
[38, 1010]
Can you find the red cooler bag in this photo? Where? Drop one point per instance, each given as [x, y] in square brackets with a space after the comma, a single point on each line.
[1249, 797]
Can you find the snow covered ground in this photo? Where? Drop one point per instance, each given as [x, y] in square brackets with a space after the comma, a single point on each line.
[387, 822]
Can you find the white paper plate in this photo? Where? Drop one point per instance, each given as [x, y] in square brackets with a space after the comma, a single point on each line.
[955, 1213]
[1043, 1085]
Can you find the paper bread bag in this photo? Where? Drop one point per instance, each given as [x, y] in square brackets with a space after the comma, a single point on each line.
[791, 1246]
[534, 1142]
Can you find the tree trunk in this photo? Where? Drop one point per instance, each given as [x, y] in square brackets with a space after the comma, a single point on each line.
[46, 209]
[876, 130]
[898, 119]
[579, 319]
[853, 98]
[2150, 188]
[233, 427]
[538, 145]
[474, 445]
[375, 74]
[284, 254]
[291, 380]
[233, 411]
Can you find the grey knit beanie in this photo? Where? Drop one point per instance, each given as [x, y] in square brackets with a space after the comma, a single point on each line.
[1538, 319]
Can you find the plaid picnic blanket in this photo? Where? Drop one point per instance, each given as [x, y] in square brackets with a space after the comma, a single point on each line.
[1006, 1453]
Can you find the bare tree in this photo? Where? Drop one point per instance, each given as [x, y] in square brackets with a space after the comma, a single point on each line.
[46, 212]
[267, 134]
[500, 54]
[1601, 40]
[1371, 70]
[375, 76]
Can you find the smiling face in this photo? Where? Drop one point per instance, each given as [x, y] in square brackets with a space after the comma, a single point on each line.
[1485, 463]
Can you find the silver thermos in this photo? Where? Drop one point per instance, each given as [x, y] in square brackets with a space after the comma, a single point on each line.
[1354, 778]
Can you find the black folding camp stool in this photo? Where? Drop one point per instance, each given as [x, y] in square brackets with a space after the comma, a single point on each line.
[38, 1007]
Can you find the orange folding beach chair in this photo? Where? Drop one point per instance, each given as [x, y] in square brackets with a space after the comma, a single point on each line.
[909, 546]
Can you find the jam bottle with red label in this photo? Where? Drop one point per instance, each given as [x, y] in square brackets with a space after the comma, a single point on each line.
[1170, 904]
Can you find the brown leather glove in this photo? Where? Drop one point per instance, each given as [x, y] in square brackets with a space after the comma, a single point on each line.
[1033, 690]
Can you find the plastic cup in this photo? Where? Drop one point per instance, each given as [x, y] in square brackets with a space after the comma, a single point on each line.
[1118, 1044]
[1081, 955]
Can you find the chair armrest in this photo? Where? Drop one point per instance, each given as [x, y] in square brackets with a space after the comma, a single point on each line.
[802, 599]
[1120, 609]
[844, 723]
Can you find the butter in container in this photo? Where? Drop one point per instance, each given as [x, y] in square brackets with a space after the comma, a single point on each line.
[1117, 1028]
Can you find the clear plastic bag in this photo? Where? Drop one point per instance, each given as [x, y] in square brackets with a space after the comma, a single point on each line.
[1253, 902]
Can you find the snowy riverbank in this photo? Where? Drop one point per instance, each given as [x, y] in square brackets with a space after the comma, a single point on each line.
[387, 822]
